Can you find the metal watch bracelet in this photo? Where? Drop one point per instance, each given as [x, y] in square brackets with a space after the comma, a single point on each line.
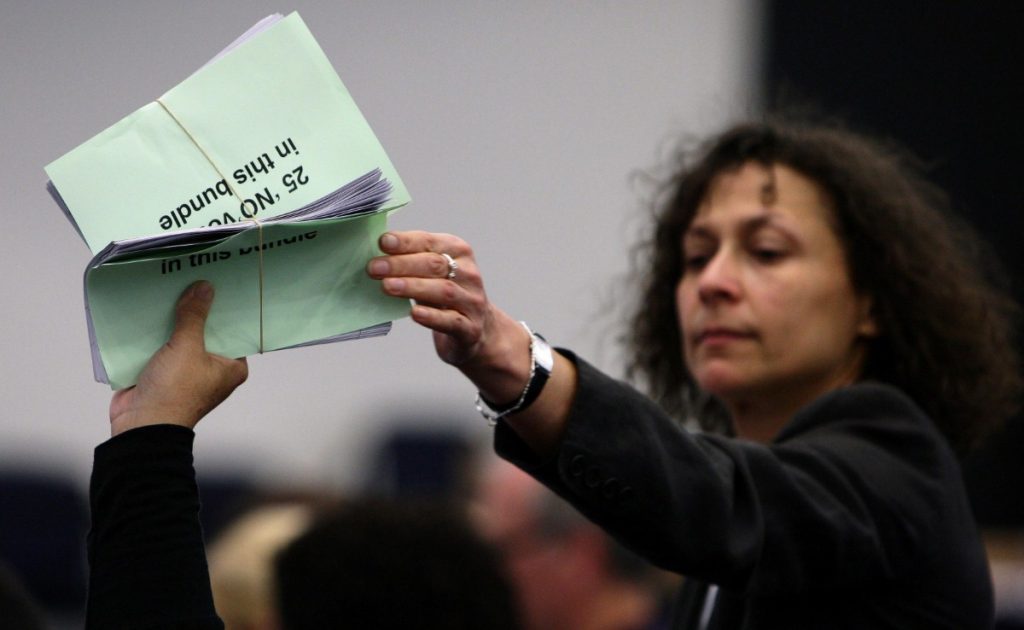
[542, 361]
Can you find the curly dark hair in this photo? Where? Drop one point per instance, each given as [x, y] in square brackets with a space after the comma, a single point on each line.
[946, 327]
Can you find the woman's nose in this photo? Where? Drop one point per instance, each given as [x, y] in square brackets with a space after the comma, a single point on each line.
[719, 279]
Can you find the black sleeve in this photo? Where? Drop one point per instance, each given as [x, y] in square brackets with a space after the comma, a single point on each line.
[147, 564]
[849, 492]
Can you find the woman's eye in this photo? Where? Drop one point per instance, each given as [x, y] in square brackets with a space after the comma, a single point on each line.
[696, 261]
[768, 254]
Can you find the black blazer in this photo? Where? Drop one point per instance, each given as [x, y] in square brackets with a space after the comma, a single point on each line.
[855, 517]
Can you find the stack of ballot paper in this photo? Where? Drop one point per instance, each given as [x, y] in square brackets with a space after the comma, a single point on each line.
[257, 173]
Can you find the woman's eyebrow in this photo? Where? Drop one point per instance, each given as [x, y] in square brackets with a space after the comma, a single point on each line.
[699, 232]
[766, 217]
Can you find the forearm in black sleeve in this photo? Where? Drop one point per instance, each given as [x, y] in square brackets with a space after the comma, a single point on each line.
[147, 564]
[851, 492]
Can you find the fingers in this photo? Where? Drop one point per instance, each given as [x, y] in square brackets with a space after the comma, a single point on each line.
[448, 322]
[424, 265]
[191, 312]
[436, 292]
[425, 255]
[417, 241]
[415, 269]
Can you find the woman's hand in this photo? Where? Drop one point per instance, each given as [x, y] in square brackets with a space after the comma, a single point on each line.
[472, 334]
[490, 348]
[182, 382]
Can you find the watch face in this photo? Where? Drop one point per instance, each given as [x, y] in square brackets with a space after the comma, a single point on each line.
[543, 356]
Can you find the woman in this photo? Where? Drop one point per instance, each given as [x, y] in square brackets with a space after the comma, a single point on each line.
[807, 295]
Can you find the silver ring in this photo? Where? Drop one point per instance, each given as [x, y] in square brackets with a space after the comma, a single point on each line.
[452, 265]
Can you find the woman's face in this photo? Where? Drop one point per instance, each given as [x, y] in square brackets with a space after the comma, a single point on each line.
[766, 305]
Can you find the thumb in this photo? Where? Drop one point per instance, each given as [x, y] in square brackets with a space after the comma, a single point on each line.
[190, 314]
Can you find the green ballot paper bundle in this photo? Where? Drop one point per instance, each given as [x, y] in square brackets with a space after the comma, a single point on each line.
[257, 173]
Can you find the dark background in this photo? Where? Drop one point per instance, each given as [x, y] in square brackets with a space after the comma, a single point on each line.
[944, 79]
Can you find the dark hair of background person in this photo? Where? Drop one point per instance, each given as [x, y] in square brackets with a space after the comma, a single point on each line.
[946, 328]
[385, 564]
[17, 609]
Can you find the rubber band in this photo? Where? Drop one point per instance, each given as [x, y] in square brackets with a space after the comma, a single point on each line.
[201, 150]
[227, 181]
[259, 246]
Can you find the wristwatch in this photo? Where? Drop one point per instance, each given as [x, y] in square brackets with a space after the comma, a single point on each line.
[541, 364]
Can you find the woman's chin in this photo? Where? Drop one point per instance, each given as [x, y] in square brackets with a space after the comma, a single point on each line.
[722, 383]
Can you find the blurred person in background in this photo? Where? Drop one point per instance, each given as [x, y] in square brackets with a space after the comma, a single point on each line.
[18, 611]
[393, 564]
[567, 572]
[242, 563]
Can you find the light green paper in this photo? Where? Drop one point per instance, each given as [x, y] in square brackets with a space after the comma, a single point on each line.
[277, 87]
[265, 129]
[313, 288]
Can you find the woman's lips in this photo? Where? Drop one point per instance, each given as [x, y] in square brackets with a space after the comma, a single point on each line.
[719, 336]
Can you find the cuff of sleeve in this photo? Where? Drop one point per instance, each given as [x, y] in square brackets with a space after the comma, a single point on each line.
[607, 419]
[509, 446]
[144, 443]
